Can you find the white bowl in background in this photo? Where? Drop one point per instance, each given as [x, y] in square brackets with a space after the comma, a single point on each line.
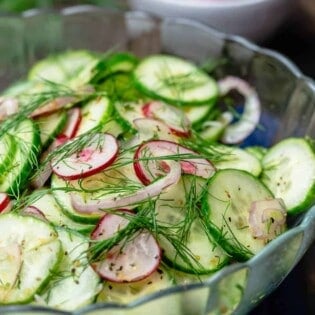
[253, 19]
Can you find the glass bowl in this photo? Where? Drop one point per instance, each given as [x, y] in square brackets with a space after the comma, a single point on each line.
[288, 99]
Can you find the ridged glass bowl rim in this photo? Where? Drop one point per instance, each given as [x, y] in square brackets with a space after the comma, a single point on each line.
[306, 223]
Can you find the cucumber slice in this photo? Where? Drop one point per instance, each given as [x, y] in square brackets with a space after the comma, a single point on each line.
[114, 63]
[7, 151]
[94, 114]
[126, 113]
[174, 80]
[230, 195]
[212, 130]
[120, 87]
[63, 199]
[75, 284]
[18, 88]
[236, 158]
[125, 293]
[258, 151]
[196, 114]
[289, 171]
[29, 251]
[63, 67]
[177, 207]
[27, 138]
[50, 126]
[53, 213]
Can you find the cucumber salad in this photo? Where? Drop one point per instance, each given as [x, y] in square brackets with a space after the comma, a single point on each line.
[122, 176]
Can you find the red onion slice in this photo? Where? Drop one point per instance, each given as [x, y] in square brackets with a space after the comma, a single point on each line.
[267, 218]
[131, 260]
[113, 202]
[101, 152]
[35, 212]
[238, 131]
[149, 165]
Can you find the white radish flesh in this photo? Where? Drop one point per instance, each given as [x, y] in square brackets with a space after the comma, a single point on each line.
[99, 153]
[174, 118]
[128, 261]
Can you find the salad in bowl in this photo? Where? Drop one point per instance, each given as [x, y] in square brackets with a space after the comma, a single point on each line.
[129, 180]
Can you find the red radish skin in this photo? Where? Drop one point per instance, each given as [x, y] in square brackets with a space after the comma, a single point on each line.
[148, 170]
[129, 261]
[175, 119]
[100, 153]
[5, 203]
[74, 119]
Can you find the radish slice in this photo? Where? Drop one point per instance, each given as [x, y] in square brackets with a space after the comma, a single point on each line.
[110, 224]
[100, 153]
[54, 105]
[149, 128]
[5, 203]
[238, 131]
[131, 260]
[74, 118]
[35, 212]
[174, 118]
[267, 218]
[82, 205]
[148, 164]
[45, 171]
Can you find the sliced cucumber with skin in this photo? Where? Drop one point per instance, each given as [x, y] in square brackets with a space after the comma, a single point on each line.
[175, 207]
[120, 87]
[63, 67]
[229, 198]
[114, 63]
[174, 80]
[7, 151]
[258, 151]
[53, 213]
[196, 114]
[50, 126]
[79, 284]
[63, 199]
[126, 113]
[27, 138]
[94, 114]
[125, 293]
[234, 157]
[29, 251]
[289, 171]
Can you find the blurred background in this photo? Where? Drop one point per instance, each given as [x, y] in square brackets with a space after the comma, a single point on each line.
[295, 38]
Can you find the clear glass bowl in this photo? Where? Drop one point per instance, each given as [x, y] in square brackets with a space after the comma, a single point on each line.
[288, 100]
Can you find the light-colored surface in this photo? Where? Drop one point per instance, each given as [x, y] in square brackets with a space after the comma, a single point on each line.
[254, 19]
